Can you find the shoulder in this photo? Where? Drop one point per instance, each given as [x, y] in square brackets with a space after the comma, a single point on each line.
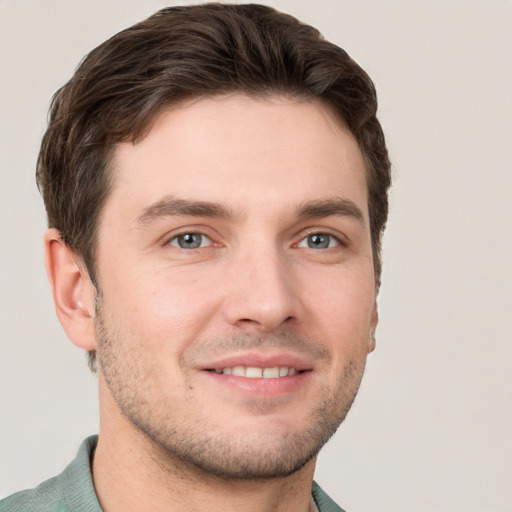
[47, 497]
[72, 490]
[323, 501]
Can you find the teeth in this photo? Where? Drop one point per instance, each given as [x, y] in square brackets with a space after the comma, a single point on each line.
[239, 371]
[252, 372]
[271, 373]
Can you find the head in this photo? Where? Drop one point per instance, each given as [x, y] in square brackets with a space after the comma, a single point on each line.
[125, 90]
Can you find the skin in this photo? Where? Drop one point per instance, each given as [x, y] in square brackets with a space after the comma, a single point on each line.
[256, 291]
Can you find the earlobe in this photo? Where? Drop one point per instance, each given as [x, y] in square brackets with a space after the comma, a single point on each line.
[72, 289]
[373, 327]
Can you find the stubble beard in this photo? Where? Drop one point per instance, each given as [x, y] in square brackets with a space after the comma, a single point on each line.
[190, 444]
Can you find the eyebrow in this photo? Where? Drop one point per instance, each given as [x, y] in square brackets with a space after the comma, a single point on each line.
[337, 206]
[170, 206]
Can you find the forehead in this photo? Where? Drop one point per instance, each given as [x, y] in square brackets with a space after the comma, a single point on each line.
[241, 151]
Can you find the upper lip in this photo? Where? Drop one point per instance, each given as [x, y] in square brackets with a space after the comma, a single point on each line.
[259, 360]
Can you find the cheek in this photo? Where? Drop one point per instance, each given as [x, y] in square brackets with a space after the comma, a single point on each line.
[162, 307]
[341, 311]
[342, 298]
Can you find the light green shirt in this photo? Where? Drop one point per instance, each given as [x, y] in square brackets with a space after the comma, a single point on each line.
[73, 490]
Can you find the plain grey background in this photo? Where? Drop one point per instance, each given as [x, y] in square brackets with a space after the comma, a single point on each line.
[430, 429]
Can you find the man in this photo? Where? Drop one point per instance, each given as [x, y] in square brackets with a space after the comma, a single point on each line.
[216, 184]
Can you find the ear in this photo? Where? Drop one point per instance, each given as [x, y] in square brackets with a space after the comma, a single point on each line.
[374, 320]
[72, 289]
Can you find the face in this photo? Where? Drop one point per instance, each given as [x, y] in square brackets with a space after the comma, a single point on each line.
[237, 298]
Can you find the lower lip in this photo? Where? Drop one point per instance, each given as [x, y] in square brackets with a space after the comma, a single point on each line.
[268, 388]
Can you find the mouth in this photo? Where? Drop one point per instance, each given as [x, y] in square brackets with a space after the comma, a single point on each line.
[255, 372]
[259, 382]
[260, 375]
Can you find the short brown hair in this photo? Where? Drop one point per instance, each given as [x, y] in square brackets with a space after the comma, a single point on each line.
[181, 53]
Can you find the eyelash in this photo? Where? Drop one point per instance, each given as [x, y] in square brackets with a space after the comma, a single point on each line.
[332, 241]
[176, 238]
[320, 234]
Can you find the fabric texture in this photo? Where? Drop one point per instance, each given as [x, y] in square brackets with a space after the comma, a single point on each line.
[73, 490]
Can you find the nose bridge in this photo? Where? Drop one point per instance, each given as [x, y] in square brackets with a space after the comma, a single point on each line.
[260, 292]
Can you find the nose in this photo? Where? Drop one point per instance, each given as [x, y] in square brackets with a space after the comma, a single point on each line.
[260, 293]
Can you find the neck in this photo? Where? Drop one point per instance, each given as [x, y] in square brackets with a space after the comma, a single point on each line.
[132, 473]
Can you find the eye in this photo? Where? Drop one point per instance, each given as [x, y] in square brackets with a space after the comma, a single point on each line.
[319, 241]
[190, 241]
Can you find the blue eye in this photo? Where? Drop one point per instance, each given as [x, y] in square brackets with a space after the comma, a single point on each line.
[319, 241]
[190, 241]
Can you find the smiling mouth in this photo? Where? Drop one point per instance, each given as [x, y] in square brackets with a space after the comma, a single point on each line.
[252, 372]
